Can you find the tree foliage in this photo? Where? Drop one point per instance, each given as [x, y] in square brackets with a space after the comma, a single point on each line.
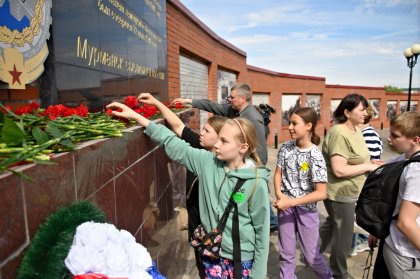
[391, 88]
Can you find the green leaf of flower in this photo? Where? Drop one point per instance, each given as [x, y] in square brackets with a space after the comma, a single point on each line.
[53, 130]
[11, 134]
[67, 143]
[39, 135]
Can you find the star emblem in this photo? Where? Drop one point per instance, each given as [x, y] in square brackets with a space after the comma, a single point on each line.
[15, 74]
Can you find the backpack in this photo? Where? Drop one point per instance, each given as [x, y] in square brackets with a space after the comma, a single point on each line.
[378, 198]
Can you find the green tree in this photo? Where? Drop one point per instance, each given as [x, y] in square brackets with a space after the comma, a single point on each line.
[391, 88]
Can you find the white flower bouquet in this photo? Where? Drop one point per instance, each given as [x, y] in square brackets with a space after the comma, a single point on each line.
[102, 249]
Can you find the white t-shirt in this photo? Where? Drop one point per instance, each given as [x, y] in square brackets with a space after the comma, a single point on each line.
[301, 169]
[409, 191]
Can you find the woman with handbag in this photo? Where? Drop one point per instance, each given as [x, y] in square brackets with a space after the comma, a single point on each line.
[205, 140]
[235, 160]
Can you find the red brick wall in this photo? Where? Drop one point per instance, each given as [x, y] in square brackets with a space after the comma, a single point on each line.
[395, 97]
[16, 98]
[130, 178]
[339, 91]
[276, 84]
[186, 34]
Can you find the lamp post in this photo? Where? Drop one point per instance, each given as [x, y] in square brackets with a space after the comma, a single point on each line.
[411, 54]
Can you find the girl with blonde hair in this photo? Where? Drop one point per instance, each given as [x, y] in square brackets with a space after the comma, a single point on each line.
[218, 174]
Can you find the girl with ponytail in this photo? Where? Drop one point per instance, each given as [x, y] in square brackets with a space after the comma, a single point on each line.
[300, 182]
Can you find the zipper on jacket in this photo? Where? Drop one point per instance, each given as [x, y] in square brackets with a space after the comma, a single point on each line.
[218, 196]
[221, 184]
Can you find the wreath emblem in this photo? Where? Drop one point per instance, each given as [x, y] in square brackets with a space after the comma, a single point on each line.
[24, 30]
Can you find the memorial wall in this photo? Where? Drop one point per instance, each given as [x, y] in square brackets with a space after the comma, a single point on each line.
[103, 50]
[98, 51]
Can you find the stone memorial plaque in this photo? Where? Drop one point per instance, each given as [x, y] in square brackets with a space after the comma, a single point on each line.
[104, 50]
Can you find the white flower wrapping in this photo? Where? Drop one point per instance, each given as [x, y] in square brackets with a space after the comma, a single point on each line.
[102, 248]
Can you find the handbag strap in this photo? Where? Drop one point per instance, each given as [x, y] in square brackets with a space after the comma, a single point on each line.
[237, 266]
[191, 187]
[222, 222]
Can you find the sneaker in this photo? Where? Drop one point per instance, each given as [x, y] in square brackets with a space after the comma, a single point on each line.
[362, 247]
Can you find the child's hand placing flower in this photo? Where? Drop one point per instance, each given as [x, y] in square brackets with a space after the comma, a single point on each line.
[147, 98]
[127, 113]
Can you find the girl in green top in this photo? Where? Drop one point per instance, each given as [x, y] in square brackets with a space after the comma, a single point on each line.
[235, 157]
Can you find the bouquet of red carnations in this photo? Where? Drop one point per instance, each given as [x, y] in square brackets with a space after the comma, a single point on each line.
[31, 134]
[148, 111]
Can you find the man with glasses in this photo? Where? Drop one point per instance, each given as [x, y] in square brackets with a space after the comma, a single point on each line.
[239, 106]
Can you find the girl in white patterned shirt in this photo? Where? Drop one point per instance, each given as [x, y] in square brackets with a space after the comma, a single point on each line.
[300, 182]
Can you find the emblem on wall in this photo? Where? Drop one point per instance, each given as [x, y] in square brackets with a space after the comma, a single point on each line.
[24, 30]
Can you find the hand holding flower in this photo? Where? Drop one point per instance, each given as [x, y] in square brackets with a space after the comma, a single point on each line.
[127, 113]
[147, 98]
[182, 101]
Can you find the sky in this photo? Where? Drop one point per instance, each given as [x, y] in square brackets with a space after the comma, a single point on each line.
[349, 42]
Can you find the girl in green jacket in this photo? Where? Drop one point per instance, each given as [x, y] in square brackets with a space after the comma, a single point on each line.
[218, 173]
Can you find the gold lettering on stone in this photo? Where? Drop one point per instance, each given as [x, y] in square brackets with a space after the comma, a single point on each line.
[130, 21]
[95, 56]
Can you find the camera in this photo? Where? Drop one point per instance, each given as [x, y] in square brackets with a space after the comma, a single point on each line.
[266, 110]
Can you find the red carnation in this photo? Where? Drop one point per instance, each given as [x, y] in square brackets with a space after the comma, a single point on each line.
[22, 110]
[27, 109]
[82, 111]
[34, 106]
[5, 111]
[131, 102]
[109, 112]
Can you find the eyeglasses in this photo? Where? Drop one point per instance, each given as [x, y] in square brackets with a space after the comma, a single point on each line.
[230, 97]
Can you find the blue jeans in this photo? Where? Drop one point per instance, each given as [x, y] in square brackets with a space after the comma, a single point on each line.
[273, 219]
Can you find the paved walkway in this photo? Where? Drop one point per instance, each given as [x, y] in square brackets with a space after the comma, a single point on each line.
[181, 256]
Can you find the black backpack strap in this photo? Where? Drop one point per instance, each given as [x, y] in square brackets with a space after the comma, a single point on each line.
[411, 159]
[237, 265]
[413, 155]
